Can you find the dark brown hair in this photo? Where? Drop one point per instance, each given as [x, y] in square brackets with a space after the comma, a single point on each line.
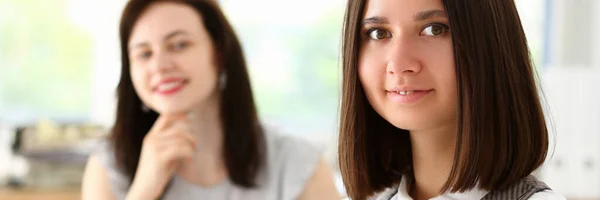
[243, 148]
[502, 136]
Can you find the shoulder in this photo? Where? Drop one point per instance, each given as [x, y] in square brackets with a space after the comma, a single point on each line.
[547, 195]
[103, 151]
[527, 188]
[283, 147]
[292, 161]
[95, 183]
[544, 192]
[104, 154]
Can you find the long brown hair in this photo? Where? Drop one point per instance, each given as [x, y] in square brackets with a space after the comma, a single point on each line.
[243, 148]
[502, 136]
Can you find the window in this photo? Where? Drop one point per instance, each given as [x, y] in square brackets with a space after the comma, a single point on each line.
[45, 61]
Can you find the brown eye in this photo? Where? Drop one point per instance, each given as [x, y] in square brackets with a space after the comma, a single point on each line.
[378, 34]
[179, 46]
[144, 55]
[434, 30]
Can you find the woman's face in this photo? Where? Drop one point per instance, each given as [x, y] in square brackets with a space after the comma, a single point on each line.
[406, 63]
[172, 59]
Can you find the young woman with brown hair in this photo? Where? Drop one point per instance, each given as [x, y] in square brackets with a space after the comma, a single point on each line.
[186, 125]
[439, 102]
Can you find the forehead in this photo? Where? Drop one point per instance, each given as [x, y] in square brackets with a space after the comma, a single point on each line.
[161, 18]
[400, 10]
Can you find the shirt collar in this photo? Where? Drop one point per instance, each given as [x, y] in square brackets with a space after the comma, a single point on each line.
[473, 194]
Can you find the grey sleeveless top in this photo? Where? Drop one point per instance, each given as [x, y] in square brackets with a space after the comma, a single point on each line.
[290, 163]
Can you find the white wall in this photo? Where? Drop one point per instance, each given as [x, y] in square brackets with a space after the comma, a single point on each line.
[573, 32]
[106, 59]
[572, 86]
[573, 95]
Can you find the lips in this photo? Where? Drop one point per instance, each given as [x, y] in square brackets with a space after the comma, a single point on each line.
[406, 96]
[169, 86]
[409, 92]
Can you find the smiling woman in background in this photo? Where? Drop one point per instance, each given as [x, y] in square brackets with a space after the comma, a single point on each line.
[186, 125]
[439, 102]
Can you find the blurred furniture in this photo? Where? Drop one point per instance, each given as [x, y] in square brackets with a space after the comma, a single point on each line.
[55, 154]
[58, 194]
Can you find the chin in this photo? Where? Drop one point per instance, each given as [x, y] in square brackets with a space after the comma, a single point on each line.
[172, 109]
[404, 125]
[409, 122]
[419, 122]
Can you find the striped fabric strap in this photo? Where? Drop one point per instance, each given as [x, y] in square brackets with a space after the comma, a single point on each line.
[521, 190]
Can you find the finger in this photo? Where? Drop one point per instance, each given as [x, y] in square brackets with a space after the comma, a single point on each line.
[174, 142]
[175, 154]
[166, 121]
[179, 130]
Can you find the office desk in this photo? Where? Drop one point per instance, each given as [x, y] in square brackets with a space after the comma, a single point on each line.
[32, 194]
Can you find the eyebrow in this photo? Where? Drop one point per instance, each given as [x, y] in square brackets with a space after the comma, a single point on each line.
[429, 14]
[423, 15]
[376, 20]
[167, 37]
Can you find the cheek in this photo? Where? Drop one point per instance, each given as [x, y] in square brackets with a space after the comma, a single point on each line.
[449, 69]
[138, 78]
[370, 72]
[200, 67]
[445, 75]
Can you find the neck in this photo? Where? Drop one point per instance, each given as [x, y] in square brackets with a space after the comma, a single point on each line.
[207, 127]
[207, 167]
[433, 156]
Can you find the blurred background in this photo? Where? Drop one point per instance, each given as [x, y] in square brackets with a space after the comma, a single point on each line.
[60, 64]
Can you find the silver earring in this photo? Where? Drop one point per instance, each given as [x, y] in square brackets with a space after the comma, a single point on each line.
[145, 108]
[222, 80]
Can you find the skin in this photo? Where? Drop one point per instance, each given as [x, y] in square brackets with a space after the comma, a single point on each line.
[406, 45]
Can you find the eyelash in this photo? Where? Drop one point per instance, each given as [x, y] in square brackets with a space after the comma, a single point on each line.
[445, 27]
[183, 44]
[144, 55]
[177, 46]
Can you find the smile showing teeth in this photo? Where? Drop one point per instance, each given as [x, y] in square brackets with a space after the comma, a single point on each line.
[168, 86]
[405, 92]
[407, 96]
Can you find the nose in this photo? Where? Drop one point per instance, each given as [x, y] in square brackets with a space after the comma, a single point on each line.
[402, 58]
[162, 62]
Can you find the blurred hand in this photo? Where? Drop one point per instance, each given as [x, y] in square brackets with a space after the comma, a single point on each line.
[168, 144]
